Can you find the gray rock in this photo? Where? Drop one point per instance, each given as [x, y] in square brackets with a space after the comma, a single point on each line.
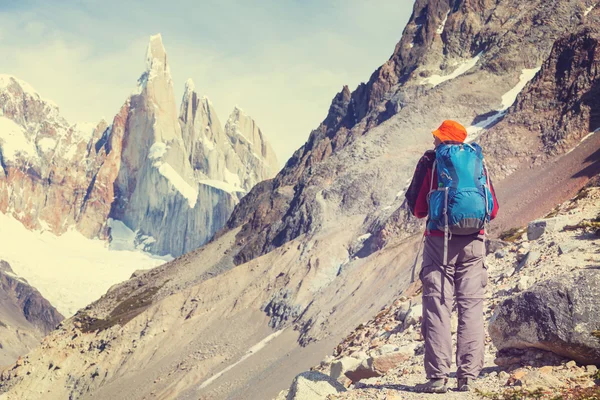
[558, 315]
[385, 349]
[538, 228]
[529, 259]
[313, 385]
[539, 380]
[501, 253]
[567, 247]
[378, 365]
[402, 311]
[494, 245]
[509, 272]
[523, 284]
[339, 367]
[414, 315]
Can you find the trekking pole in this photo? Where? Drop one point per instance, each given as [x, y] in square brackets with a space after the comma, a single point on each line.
[414, 268]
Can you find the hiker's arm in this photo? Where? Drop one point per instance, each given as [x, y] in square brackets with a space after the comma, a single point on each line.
[416, 195]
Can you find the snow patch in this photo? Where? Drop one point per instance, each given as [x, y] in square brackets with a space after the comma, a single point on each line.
[462, 68]
[207, 143]
[508, 99]
[84, 130]
[46, 144]
[232, 178]
[589, 9]
[586, 137]
[224, 186]
[157, 150]
[254, 349]
[364, 237]
[14, 141]
[178, 183]
[70, 270]
[440, 28]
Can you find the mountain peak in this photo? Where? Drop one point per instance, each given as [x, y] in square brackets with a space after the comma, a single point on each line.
[156, 56]
[189, 86]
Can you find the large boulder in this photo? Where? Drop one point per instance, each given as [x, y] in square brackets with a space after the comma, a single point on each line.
[313, 385]
[378, 365]
[538, 228]
[558, 315]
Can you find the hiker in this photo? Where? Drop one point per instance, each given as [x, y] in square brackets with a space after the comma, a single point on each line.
[452, 188]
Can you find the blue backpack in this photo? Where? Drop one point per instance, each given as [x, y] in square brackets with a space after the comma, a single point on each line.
[463, 202]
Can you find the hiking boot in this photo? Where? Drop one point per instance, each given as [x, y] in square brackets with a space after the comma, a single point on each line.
[464, 384]
[433, 386]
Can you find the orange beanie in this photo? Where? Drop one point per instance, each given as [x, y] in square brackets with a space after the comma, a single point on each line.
[451, 131]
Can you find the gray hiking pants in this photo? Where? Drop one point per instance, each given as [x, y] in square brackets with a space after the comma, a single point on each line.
[463, 280]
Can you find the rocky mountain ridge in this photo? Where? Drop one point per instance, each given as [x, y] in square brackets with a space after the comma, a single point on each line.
[135, 170]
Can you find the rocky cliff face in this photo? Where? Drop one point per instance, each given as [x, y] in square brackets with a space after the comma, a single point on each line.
[448, 53]
[156, 192]
[238, 155]
[43, 182]
[174, 185]
[556, 111]
[25, 316]
[306, 252]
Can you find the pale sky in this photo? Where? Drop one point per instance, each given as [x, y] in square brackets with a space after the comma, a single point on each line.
[282, 61]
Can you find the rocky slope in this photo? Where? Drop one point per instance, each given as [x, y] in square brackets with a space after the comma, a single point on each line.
[25, 316]
[383, 357]
[298, 264]
[136, 170]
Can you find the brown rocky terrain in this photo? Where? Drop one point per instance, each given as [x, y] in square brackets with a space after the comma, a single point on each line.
[307, 256]
[25, 316]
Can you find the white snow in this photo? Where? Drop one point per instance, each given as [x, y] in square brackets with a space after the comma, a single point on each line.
[189, 85]
[84, 130]
[156, 153]
[46, 144]
[157, 150]
[208, 144]
[254, 349]
[586, 137]
[121, 237]
[508, 99]
[232, 178]
[440, 28]
[69, 270]
[589, 9]
[364, 237]
[460, 70]
[226, 187]
[178, 183]
[14, 141]
[6, 80]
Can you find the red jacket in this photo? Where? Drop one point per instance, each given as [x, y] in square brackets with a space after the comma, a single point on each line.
[416, 195]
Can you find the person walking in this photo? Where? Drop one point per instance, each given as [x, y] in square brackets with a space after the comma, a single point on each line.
[452, 188]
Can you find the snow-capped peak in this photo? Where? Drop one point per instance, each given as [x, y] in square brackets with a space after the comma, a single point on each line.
[189, 86]
[8, 80]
